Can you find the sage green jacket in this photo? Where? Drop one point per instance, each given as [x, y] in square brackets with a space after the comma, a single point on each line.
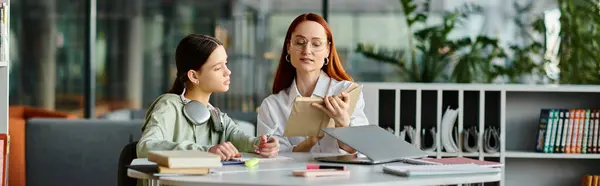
[166, 128]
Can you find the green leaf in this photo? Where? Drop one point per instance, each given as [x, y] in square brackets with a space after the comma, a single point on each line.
[384, 55]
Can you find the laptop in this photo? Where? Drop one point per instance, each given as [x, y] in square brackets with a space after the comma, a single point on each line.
[378, 145]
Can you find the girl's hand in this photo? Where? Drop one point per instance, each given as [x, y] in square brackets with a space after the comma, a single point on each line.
[267, 149]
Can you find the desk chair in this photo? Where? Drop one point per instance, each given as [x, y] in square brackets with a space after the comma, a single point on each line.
[128, 154]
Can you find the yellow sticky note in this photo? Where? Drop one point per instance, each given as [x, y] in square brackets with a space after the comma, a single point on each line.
[252, 162]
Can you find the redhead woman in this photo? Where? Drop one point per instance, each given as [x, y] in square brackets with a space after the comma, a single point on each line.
[309, 67]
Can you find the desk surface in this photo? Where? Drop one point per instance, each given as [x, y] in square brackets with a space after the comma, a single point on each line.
[280, 173]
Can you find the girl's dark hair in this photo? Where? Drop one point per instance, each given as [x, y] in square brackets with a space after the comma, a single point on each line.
[192, 52]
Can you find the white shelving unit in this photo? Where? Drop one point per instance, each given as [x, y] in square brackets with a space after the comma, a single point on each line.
[514, 109]
[537, 155]
[4, 70]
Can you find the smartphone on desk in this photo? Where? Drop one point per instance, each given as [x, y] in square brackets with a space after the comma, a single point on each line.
[232, 162]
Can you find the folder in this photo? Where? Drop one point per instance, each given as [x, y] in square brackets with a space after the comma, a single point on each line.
[308, 120]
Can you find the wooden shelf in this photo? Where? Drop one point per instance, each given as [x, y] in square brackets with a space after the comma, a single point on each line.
[538, 155]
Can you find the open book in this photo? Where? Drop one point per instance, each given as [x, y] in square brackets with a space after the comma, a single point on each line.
[307, 120]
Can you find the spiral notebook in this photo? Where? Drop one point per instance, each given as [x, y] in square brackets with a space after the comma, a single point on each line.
[437, 170]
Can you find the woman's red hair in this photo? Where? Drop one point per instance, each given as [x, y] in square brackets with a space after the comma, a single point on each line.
[286, 72]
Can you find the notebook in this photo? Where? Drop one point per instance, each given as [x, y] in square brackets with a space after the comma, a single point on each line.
[307, 120]
[184, 159]
[437, 170]
[461, 160]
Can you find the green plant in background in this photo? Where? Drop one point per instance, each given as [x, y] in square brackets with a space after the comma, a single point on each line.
[476, 65]
[431, 51]
[579, 51]
[432, 44]
[521, 63]
[525, 59]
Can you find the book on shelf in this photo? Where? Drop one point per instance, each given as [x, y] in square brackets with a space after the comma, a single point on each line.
[590, 180]
[572, 131]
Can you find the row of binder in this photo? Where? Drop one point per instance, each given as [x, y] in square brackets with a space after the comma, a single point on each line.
[568, 131]
[491, 139]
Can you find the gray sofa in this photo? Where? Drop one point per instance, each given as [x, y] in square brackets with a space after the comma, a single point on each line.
[76, 152]
[82, 152]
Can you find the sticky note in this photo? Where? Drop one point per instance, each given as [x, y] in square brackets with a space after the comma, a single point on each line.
[252, 162]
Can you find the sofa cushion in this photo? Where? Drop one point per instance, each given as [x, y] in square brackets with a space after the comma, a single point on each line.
[76, 152]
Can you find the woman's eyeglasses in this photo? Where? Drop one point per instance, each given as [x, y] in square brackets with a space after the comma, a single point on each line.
[316, 45]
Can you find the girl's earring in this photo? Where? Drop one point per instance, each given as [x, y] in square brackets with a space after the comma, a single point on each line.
[287, 57]
[326, 60]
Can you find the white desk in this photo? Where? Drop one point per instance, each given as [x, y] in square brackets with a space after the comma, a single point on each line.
[279, 173]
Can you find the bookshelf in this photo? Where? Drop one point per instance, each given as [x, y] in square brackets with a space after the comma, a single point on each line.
[514, 109]
[4, 83]
[4, 68]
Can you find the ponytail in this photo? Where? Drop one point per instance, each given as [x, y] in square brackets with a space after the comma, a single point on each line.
[191, 53]
[177, 87]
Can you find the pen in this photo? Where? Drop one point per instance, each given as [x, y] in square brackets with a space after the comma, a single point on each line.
[269, 135]
[316, 166]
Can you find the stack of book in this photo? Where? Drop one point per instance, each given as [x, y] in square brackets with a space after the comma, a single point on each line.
[184, 162]
[568, 131]
[590, 180]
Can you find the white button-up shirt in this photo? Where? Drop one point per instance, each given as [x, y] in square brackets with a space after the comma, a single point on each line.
[275, 110]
